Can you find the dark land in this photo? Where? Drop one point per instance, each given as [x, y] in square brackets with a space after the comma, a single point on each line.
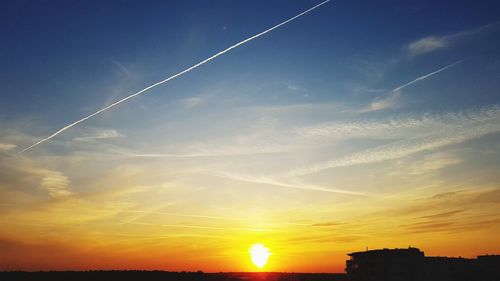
[168, 276]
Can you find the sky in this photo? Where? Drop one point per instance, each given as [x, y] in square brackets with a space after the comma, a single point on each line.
[361, 124]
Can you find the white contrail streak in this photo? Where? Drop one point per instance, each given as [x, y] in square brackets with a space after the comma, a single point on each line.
[425, 76]
[172, 77]
[390, 98]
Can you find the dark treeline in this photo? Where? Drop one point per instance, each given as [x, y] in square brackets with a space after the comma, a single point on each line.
[98, 275]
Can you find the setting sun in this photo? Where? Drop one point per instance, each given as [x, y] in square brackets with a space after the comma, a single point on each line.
[259, 254]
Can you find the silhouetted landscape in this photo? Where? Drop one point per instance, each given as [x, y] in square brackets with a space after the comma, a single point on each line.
[375, 265]
[165, 275]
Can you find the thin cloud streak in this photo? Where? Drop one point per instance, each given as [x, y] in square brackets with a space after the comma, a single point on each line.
[427, 45]
[171, 77]
[184, 215]
[292, 139]
[249, 152]
[461, 127]
[7, 146]
[432, 44]
[99, 134]
[203, 227]
[273, 182]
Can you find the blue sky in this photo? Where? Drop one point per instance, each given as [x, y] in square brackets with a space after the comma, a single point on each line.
[75, 52]
[374, 106]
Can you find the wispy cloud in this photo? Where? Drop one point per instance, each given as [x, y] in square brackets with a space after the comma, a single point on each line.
[286, 139]
[443, 214]
[445, 129]
[439, 213]
[327, 224]
[145, 90]
[203, 227]
[434, 162]
[280, 183]
[294, 88]
[98, 134]
[198, 216]
[191, 102]
[435, 43]
[122, 69]
[53, 182]
[383, 102]
[427, 45]
[7, 146]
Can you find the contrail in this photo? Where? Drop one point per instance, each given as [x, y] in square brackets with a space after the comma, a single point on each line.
[389, 98]
[172, 77]
[425, 76]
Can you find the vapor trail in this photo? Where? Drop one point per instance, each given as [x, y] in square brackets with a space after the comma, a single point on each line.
[425, 76]
[171, 77]
[390, 98]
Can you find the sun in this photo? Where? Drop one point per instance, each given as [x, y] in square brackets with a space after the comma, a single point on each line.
[259, 254]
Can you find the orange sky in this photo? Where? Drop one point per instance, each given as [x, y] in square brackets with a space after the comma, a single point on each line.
[70, 233]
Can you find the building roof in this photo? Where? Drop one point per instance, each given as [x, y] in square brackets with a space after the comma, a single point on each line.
[388, 252]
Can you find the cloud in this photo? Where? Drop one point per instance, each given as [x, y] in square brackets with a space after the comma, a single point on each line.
[22, 179]
[122, 69]
[191, 102]
[436, 43]
[7, 146]
[181, 215]
[442, 214]
[401, 149]
[296, 109]
[383, 102]
[92, 134]
[427, 45]
[297, 89]
[441, 130]
[55, 183]
[203, 227]
[459, 211]
[388, 128]
[446, 218]
[283, 138]
[301, 186]
[434, 162]
[293, 88]
[327, 224]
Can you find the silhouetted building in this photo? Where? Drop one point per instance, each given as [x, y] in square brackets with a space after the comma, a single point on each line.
[412, 265]
[385, 264]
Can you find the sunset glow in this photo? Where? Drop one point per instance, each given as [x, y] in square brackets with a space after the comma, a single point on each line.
[261, 136]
